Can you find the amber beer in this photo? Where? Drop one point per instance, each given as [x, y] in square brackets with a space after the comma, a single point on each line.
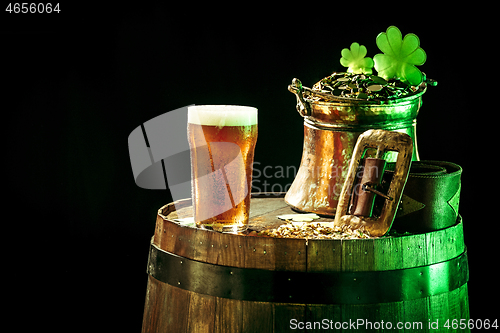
[222, 139]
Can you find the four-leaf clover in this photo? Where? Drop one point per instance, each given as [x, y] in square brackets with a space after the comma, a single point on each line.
[355, 60]
[400, 56]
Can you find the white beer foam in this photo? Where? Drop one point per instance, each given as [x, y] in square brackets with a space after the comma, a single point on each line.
[222, 115]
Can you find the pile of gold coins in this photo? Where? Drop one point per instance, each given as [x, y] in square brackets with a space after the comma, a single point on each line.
[363, 86]
[315, 230]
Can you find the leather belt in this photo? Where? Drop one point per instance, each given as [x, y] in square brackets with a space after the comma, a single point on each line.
[430, 198]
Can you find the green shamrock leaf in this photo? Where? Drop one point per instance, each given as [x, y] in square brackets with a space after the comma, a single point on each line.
[400, 56]
[355, 60]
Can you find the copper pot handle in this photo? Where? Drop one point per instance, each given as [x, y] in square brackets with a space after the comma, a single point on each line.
[303, 107]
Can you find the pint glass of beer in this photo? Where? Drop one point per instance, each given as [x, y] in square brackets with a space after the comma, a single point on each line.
[222, 140]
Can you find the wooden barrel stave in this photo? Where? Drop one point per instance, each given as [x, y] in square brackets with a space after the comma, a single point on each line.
[175, 309]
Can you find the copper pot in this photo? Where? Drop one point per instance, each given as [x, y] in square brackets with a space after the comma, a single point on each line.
[331, 129]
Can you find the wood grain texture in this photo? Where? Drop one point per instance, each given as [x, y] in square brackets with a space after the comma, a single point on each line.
[171, 309]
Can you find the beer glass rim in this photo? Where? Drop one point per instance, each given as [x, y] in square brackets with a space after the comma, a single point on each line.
[219, 107]
[225, 115]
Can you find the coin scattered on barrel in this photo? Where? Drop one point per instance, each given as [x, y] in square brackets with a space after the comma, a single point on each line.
[301, 226]
[315, 230]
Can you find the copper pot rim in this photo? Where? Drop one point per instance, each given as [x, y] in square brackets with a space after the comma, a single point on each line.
[345, 101]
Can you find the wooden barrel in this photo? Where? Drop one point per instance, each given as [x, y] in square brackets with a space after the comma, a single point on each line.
[205, 281]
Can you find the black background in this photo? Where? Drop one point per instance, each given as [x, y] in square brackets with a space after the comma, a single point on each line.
[77, 228]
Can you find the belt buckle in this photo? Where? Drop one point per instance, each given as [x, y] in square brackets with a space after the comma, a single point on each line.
[356, 200]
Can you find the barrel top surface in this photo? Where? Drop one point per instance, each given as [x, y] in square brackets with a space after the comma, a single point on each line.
[299, 254]
[264, 212]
